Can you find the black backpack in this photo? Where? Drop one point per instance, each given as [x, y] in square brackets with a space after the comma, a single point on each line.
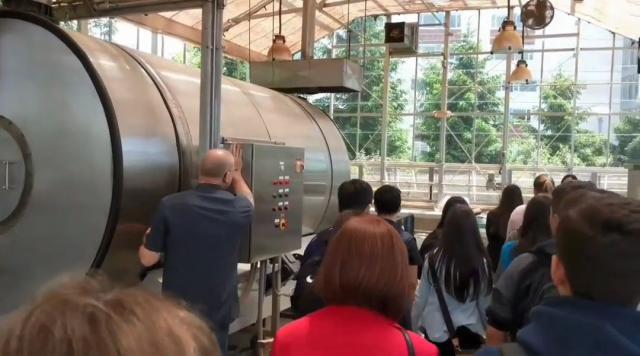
[305, 300]
[535, 286]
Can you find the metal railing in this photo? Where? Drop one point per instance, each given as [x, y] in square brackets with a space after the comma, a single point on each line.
[480, 183]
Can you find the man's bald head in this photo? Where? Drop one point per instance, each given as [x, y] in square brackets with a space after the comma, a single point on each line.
[216, 163]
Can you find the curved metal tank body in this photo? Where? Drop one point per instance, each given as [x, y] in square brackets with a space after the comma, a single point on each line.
[95, 135]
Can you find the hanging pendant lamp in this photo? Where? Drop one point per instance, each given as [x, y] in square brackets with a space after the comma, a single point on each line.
[508, 40]
[521, 74]
[279, 50]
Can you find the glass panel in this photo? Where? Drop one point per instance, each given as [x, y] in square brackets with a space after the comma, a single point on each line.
[126, 34]
[400, 137]
[426, 147]
[595, 67]
[429, 85]
[626, 139]
[402, 84]
[524, 148]
[145, 40]
[591, 141]
[594, 36]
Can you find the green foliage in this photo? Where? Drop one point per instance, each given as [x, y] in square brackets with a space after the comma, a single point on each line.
[628, 140]
[471, 89]
[69, 25]
[234, 68]
[364, 137]
[103, 28]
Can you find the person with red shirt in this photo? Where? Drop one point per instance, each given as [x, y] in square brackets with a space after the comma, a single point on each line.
[366, 283]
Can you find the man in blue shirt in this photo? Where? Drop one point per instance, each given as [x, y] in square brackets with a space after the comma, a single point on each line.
[200, 232]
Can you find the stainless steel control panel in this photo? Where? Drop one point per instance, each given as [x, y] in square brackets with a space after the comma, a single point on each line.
[275, 174]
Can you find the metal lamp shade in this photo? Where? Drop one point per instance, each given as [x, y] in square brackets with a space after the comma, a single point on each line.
[521, 74]
[508, 40]
[279, 50]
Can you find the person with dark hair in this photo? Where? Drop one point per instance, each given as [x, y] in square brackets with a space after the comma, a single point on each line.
[595, 271]
[387, 201]
[569, 178]
[527, 281]
[354, 198]
[455, 289]
[498, 219]
[355, 195]
[90, 316]
[542, 184]
[431, 241]
[559, 194]
[535, 229]
[366, 283]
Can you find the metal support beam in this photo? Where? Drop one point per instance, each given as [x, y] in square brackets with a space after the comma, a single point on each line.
[308, 28]
[245, 16]
[505, 123]
[83, 26]
[154, 43]
[575, 102]
[211, 75]
[444, 102]
[384, 131]
[190, 34]
[82, 11]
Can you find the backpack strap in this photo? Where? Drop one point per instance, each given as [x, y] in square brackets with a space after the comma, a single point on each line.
[407, 340]
[512, 349]
[444, 309]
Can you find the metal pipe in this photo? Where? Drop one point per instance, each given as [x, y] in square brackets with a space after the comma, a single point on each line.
[444, 102]
[575, 102]
[505, 122]
[262, 283]
[611, 73]
[385, 117]
[308, 28]
[211, 75]
[74, 12]
[275, 294]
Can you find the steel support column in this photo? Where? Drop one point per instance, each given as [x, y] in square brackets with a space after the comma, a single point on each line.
[211, 74]
[575, 102]
[308, 28]
[505, 123]
[444, 102]
[385, 117]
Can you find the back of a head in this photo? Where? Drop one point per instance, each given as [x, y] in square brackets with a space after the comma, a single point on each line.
[216, 163]
[567, 188]
[460, 248]
[569, 178]
[535, 223]
[88, 317]
[366, 265]
[543, 184]
[355, 195]
[599, 244]
[510, 199]
[451, 202]
[387, 200]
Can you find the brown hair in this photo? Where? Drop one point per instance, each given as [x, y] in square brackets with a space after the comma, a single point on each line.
[598, 241]
[366, 265]
[89, 317]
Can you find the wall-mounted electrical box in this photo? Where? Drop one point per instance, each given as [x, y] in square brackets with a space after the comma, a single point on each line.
[275, 174]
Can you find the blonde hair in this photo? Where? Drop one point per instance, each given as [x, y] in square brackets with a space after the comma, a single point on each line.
[90, 317]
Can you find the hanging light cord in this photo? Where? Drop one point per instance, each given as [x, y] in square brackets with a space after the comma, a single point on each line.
[522, 20]
[280, 17]
[348, 29]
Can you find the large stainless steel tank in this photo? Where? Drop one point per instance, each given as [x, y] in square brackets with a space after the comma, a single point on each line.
[93, 135]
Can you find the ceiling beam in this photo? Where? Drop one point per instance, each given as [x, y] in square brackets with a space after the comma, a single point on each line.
[245, 16]
[87, 9]
[174, 28]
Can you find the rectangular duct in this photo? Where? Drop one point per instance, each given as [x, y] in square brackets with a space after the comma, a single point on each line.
[309, 76]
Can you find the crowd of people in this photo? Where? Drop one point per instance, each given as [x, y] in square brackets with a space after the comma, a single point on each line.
[559, 276]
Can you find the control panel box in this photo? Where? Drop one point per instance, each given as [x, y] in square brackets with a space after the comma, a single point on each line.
[275, 174]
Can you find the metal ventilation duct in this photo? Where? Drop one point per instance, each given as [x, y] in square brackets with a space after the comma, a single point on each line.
[309, 76]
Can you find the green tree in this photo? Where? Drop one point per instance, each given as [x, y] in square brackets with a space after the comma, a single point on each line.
[471, 90]
[627, 148]
[564, 125]
[234, 68]
[363, 135]
[103, 28]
